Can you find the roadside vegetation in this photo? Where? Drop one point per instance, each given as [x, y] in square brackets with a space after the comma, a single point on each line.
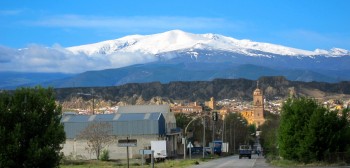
[133, 163]
[306, 133]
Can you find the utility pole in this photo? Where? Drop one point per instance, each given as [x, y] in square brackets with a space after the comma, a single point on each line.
[234, 133]
[225, 133]
[93, 102]
[223, 128]
[234, 137]
[93, 99]
[215, 118]
[231, 137]
[213, 137]
[203, 136]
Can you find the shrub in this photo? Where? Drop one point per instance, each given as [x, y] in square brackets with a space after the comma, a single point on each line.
[104, 155]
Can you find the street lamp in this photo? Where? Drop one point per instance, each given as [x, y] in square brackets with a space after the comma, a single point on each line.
[185, 137]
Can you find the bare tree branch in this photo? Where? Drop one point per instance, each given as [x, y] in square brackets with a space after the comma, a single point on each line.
[98, 136]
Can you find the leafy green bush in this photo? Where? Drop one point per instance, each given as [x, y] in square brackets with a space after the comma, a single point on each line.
[105, 155]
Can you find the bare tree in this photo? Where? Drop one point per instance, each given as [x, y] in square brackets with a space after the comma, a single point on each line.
[98, 136]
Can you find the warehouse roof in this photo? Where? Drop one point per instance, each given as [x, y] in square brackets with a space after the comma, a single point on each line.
[164, 109]
[110, 117]
[122, 124]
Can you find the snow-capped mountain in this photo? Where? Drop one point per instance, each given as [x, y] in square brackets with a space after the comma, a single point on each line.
[179, 40]
[170, 56]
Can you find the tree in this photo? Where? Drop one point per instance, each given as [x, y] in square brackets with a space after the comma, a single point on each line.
[182, 120]
[268, 136]
[196, 126]
[325, 134]
[295, 115]
[308, 131]
[98, 136]
[30, 128]
[235, 131]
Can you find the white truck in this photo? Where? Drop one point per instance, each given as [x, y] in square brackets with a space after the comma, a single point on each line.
[159, 148]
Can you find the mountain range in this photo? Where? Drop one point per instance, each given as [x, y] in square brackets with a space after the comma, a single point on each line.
[181, 56]
[273, 88]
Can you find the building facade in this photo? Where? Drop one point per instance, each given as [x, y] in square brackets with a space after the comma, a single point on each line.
[188, 108]
[153, 123]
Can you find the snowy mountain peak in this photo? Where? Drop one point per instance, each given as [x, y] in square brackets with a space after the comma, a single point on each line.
[179, 40]
[339, 51]
[333, 52]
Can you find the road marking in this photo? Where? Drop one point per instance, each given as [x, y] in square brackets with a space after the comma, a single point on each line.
[254, 163]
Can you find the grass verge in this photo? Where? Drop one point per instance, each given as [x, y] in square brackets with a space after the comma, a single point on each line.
[178, 163]
[288, 163]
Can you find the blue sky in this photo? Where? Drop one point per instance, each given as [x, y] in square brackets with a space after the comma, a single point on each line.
[304, 24]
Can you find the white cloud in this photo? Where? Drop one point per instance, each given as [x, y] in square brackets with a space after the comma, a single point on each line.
[6, 54]
[36, 58]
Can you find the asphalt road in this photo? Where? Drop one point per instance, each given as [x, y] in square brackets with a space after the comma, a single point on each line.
[235, 162]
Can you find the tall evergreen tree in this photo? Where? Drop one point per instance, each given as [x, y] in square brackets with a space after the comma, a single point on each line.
[308, 131]
[30, 128]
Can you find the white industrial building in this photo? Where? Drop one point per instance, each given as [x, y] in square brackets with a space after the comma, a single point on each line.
[145, 123]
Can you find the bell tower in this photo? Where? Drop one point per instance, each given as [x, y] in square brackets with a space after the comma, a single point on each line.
[258, 106]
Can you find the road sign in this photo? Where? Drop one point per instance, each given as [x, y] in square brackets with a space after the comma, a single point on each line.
[127, 142]
[145, 151]
[190, 145]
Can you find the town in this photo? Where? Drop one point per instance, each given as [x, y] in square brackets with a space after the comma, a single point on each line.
[180, 84]
[136, 122]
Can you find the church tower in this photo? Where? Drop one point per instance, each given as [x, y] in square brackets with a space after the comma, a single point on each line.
[211, 103]
[258, 106]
